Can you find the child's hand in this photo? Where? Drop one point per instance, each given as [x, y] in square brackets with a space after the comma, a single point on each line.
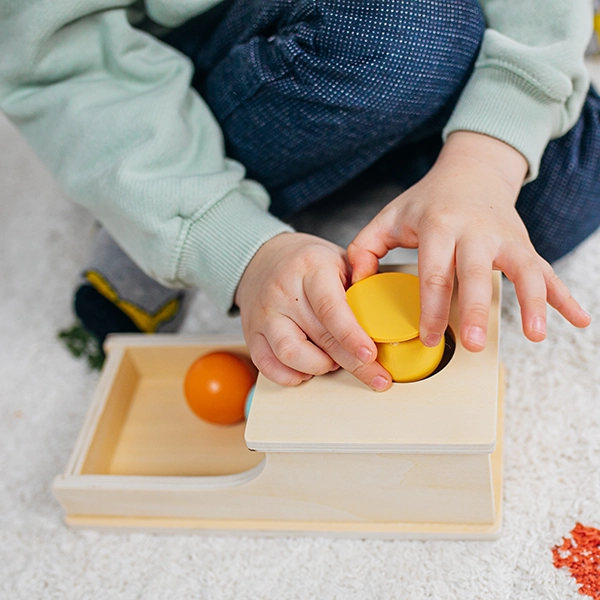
[462, 217]
[295, 317]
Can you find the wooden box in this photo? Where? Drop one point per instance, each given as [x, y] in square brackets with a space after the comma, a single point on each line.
[327, 457]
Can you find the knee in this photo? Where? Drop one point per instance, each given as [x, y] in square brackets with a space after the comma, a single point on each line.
[391, 50]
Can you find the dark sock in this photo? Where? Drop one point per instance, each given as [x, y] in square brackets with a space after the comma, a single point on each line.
[99, 315]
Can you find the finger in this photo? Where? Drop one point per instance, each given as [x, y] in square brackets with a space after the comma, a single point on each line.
[560, 298]
[372, 374]
[524, 269]
[372, 243]
[270, 366]
[334, 329]
[436, 281]
[291, 347]
[327, 299]
[474, 272]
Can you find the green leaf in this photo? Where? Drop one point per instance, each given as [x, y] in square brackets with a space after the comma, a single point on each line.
[83, 344]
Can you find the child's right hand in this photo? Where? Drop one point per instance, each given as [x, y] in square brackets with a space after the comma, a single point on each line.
[295, 317]
[463, 219]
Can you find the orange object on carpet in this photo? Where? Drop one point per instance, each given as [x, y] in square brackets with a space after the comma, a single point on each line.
[580, 553]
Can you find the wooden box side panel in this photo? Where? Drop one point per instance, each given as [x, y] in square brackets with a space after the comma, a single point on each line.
[313, 487]
[170, 361]
[388, 487]
[115, 406]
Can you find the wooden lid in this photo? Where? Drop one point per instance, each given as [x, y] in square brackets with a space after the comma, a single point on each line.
[452, 412]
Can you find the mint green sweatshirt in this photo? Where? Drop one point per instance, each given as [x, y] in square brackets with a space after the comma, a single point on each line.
[110, 111]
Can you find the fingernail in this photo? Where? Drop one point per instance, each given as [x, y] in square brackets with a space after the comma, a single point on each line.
[432, 340]
[379, 383]
[364, 355]
[476, 336]
[538, 325]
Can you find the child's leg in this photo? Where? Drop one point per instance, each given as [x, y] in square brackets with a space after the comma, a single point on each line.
[117, 296]
[562, 206]
[309, 93]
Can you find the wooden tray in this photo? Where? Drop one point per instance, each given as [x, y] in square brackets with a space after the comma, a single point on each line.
[144, 461]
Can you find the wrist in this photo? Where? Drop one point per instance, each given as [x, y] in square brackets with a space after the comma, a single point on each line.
[254, 264]
[483, 151]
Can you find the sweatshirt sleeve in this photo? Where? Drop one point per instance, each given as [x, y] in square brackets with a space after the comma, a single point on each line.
[110, 111]
[530, 80]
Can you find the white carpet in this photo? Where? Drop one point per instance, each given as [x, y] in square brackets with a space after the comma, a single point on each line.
[552, 450]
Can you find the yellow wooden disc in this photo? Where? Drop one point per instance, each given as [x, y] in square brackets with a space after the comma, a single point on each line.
[386, 306]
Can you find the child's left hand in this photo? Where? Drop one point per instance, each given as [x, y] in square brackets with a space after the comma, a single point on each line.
[295, 317]
[462, 217]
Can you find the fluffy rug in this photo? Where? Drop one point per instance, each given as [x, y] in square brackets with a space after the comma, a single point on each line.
[552, 450]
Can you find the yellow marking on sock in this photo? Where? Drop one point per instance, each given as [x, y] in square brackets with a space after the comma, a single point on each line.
[145, 321]
[597, 25]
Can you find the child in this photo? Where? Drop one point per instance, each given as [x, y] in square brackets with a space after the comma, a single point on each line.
[307, 94]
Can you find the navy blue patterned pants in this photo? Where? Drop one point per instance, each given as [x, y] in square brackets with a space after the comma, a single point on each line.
[309, 93]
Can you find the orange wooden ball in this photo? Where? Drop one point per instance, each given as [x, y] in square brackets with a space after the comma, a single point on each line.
[216, 387]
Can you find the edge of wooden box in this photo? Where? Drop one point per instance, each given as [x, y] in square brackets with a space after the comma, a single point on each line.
[255, 527]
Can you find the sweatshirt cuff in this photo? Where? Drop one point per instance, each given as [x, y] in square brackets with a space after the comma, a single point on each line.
[502, 104]
[218, 246]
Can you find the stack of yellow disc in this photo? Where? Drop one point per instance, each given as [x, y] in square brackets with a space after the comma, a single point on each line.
[387, 307]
